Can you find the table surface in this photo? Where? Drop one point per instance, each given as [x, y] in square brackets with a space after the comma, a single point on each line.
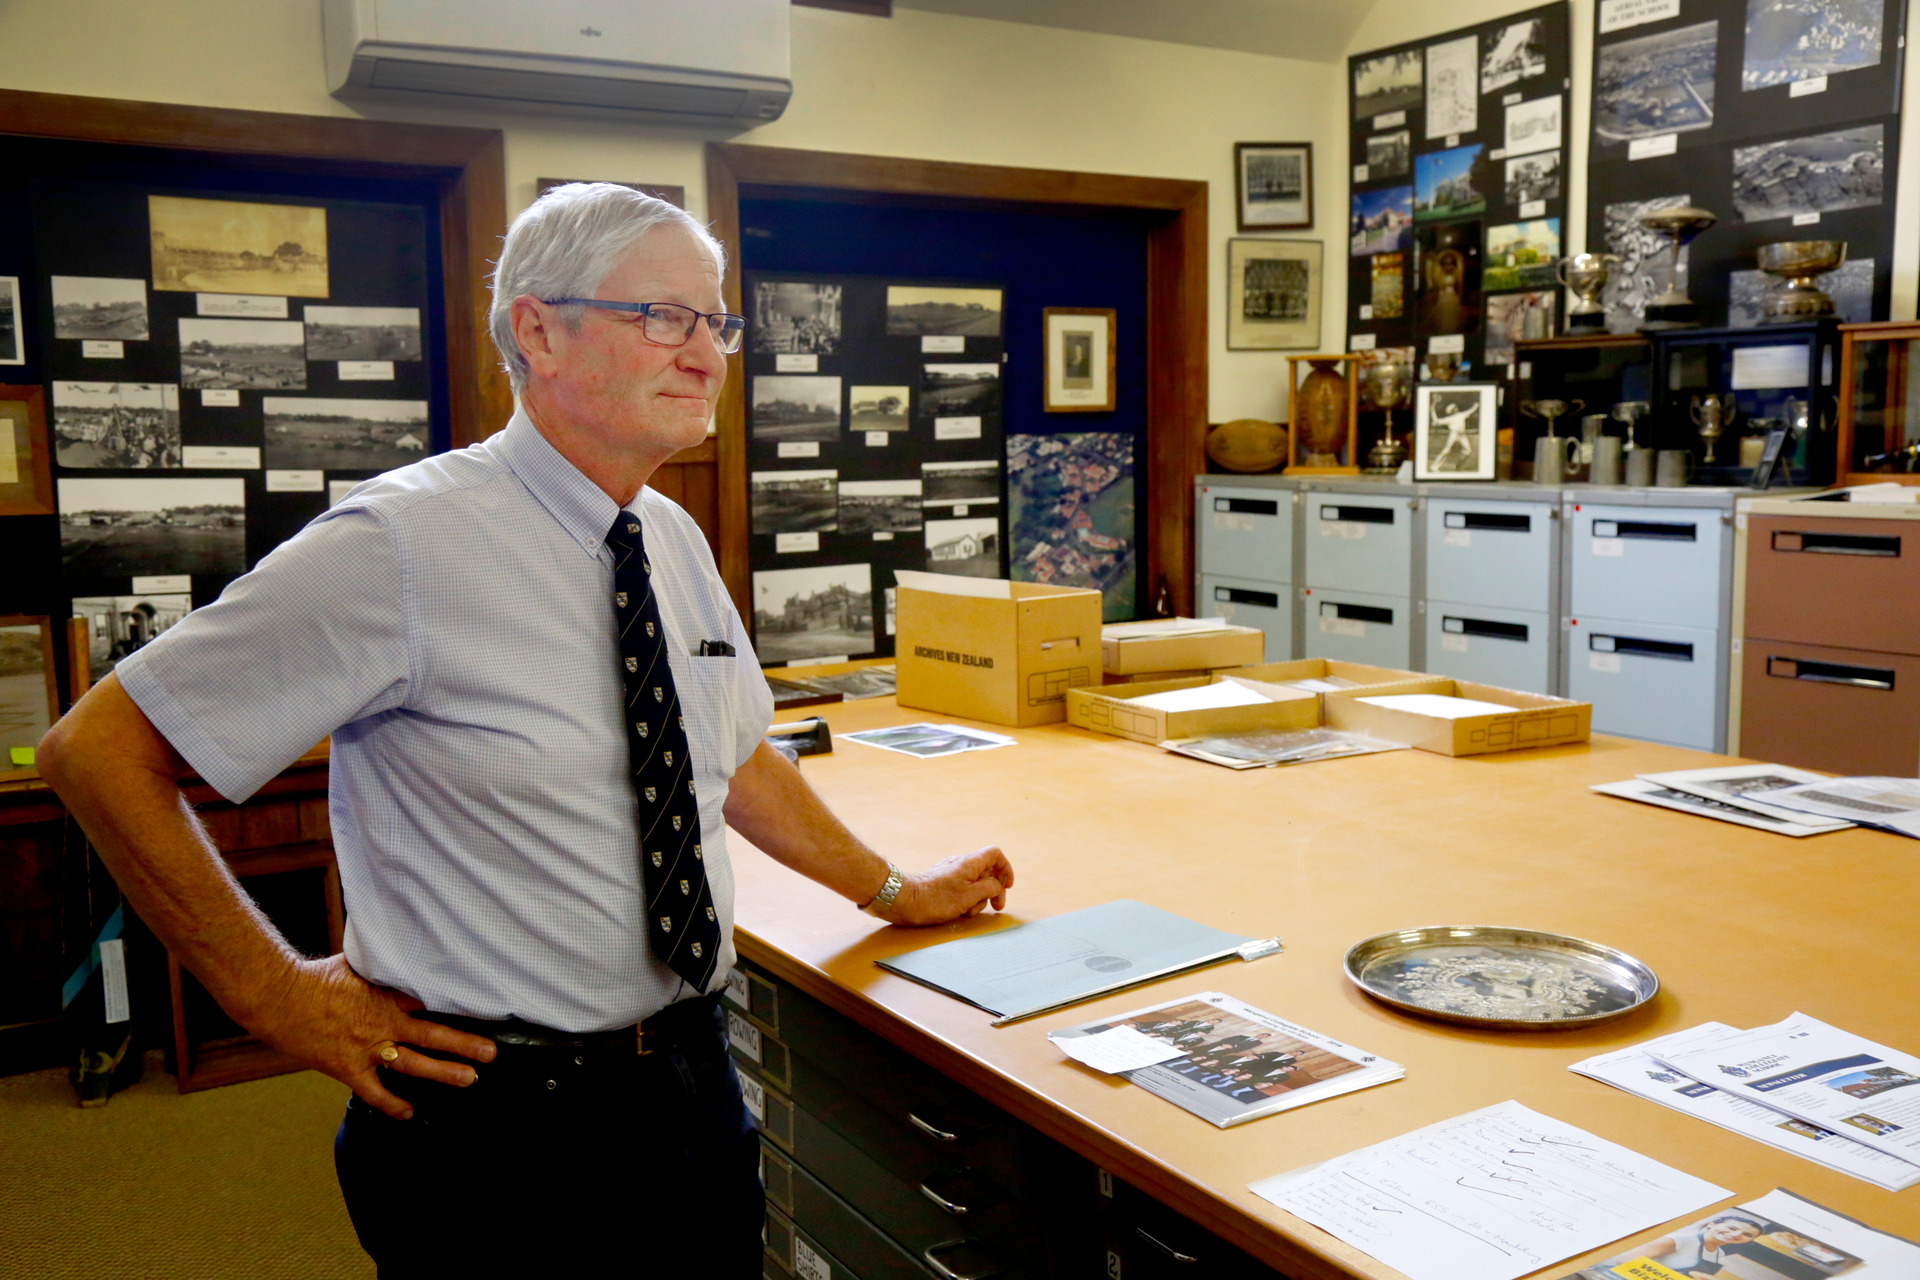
[1741, 926]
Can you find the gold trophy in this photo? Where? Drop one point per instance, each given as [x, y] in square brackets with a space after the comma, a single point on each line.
[1585, 276]
[1713, 415]
[1388, 384]
[1673, 309]
[1799, 262]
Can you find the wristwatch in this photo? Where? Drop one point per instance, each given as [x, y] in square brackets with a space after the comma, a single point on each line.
[888, 892]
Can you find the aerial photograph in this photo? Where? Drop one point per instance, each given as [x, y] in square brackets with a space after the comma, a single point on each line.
[1662, 83]
[1790, 40]
[1070, 514]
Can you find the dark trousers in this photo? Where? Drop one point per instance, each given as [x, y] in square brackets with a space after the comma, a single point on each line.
[562, 1157]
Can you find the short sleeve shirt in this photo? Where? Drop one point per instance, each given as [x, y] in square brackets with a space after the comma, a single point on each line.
[450, 624]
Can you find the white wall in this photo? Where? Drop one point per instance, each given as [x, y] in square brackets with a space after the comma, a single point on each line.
[921, 85]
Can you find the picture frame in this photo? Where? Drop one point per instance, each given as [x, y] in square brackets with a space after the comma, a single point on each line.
[1273, 185]
[26, 453]
[1081, 359]
[28, 707]
[13, 342]
[1454, 430]
[1274, 292]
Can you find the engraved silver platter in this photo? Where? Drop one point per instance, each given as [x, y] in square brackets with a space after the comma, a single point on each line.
[1500, 978]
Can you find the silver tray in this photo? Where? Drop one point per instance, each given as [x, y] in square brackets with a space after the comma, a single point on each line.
[1508, 979]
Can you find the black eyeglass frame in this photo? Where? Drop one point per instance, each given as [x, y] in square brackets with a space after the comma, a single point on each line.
[736, 330]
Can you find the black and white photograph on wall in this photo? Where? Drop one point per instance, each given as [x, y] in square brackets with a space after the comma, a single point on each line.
[1275, 182]
[1790, 40]
[946, 488]
[1642, 273]
[343, 435]
[28, 701]
[794, 501]
[1517, 317]
[1822, 173]
[1510, 54]
[796, 317]
[1453, 88]
[823, 612]
[880, 506]
[1533, 126]
[1531, 178]
[1453, 431]
[959, 390]
[1389, 154]
[925, 309]
[12, 348]
[1274, 290]
[1521, 255]
[1448, 266]
[236, 246]
[1661, 83]
[1381, 221]
[1850, 286]
[101, 308]
[969, 547]
[1080, 359]
[112, 529]
[248, 355]
[1449, 184]
[878, 408]
[1390, 82]
[789, 407]
[117, 426]
[120, 625]
[363, 333]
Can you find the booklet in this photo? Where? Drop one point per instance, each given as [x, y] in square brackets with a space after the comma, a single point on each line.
[1780, 1236]
[1745, 786]
[1047, 964]
[1891, 804]
[1638, 1071]
[1684, 802]
[1832, 1078]
[1234, 1062]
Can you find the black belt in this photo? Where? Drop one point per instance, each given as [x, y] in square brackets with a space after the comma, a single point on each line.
[685, 1023]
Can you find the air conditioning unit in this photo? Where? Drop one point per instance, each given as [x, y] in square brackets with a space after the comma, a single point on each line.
[696, 61]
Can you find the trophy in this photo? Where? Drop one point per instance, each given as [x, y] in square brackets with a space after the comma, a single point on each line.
[1585, 275]
[1443, 367]
[1630, 412]
[1713, 415]
[1554, 459]
[1388, 385]
[1673, 309]
[1798, 262]
[1548, 410]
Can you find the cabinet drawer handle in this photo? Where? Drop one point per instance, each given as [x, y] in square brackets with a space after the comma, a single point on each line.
[1483, 627]
[1248, 506]
[1358, 515]
[1240, 595]
[1488, 520]
[1836, 544]
[960, 1260]
[1671, 650]
[1657, 531]
[1356, 612]
[937, 1134]
[1829, 673]
[946, 1205]
[1165, 1248]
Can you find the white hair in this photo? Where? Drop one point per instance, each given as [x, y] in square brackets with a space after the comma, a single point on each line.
[565, 243]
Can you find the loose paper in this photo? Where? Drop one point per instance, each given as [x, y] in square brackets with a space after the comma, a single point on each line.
[1682, 802]
[1892, 804]
[1118, 1049]
[930, 741]
[1204, 697]
[1745, 786]
[1437, 705]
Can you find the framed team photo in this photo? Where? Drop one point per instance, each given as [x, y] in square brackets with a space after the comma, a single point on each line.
[1274, 182]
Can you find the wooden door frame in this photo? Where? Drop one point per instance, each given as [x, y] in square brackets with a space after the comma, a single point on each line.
[1177, 312]
[467, 167]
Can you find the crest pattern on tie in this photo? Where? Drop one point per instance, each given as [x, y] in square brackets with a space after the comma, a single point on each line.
[682, 925]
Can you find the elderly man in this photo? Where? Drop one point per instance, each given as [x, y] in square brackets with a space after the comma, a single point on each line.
[545, 712]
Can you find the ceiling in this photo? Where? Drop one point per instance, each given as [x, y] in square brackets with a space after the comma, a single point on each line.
[1317, 30]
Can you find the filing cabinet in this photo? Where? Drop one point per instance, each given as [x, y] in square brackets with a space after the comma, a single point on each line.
[1648, 680]
[1663, 564]
[1355, 626]
[1245, 557]
[1145, 1240]
[1359, 541]
[1252, 603]
[1492, 573]
[1511, 648]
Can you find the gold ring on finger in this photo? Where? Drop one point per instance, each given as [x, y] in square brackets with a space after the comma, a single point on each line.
[387, 1051]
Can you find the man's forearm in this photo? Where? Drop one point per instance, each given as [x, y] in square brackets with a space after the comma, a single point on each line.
[770, 804]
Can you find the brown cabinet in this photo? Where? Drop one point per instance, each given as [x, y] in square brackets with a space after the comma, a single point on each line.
[1845, 711]
[1850, 583]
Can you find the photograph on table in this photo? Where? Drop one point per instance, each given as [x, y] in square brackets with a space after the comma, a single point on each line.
[1521, 255]
[1655, 84]
[923, 309]
[1850, 286]
[951, 487]
[248, 355]
[113, 529]
[1389, 154]
[120, 625]
[1790, 40]
[1070, 514]
[236, 246]
[795, 501]
[362, 333]
[969, 547]
[789, 408]
[1390, 82]
[116, 426]
[1821, 173]
[13, 348]
[26, 455]
[1453, 88]
[29, 692]
[101, 308]
[1453, 430]
[930, 741]
[1642, 273]
[959, 390]
[878, 408]
[824, 612]
[1517, 317]
[1449, 184]
[343, 435]
[1274, 290]
[1380, 221]
[880, 506]
[1241, 1060]
[1531, 178]
[1080, 359]
[1388, 293]
[1736, 1242]
[1447, 265]
[1274, 181]
[1533, 126]
[796, 317]
[1510, 54]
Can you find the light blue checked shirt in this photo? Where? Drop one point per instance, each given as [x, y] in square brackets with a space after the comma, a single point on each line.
[451, 625]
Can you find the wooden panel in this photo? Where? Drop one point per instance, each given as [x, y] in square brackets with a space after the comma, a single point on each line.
[270, 822]
[31, 950]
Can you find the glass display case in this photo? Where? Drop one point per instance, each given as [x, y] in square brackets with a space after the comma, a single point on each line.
[1596, 371]
[1879, 430]
[1715, 391]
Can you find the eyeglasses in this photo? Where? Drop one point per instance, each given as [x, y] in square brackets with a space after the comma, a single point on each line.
[668, 324]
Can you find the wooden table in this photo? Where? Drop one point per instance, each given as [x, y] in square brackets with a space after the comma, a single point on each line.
[1742, 927]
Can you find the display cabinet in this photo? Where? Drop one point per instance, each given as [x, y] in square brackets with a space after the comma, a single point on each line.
[1598, 370]
[1879, 428]
[1784, 372]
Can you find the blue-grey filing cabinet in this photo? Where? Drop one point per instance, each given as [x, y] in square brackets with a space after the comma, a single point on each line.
[1511, 648]
[1360, 541]
[1358, 626]
[1649, 680]
[1491, 582]
[1245, 557]
[1251, 603]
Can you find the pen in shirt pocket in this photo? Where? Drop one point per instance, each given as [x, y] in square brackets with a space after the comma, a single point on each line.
[715, 649]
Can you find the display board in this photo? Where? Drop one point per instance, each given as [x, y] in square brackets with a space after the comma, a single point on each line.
[1458, 204]
[1779, 116]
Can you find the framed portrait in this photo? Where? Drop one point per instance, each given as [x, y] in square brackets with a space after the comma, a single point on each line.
[29, 694]
[1274, 181]
[1453, 430]
[26, 464]
[1080, 359]
[1273, 295]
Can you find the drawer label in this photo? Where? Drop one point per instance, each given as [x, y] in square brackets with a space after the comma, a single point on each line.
[1609, 662]
[743, 1035]
[1351, 627]
[1615, 547]
[737, 989]
[1459, 537]
[1237, 522]
[807, 1264]
[1224, 610]
[1342, 529]
[1454, 644]
[754, 1094]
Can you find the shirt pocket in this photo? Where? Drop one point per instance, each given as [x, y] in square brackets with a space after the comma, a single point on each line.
[708, 701]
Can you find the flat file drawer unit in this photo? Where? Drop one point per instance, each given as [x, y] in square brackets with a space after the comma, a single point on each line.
[1663, 564]
[1511, 648]
[1359, 542]
[1245, 532]
[1251, 603]
[1492, 553]
[1647, 680]
[1145, 1240]
[1356, 627]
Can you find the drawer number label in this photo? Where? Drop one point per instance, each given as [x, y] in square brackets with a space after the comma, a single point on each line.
[1233, 520]
[1454, 644]
[1342, 529]
[1610, 547]
[1351, 627]
[1459, 537]
[737, 989]
[1609, 662]
[807, 1264]
[754, 1094]
[743, 1035]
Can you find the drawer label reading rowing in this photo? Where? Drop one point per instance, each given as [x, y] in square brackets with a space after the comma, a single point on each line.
[743, 1035]
[754, 1094]
[737, 989]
